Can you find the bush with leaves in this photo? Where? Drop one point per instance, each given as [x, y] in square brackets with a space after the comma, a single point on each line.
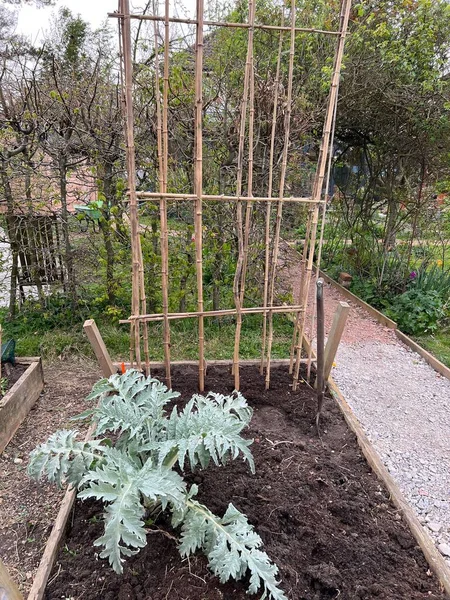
[417, 312]
[138, 476]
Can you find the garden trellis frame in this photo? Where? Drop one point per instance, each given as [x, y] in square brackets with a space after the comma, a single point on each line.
[139, 318]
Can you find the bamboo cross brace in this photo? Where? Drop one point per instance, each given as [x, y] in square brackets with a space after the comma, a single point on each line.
[230, 24]
[323, 158]
[276, 242]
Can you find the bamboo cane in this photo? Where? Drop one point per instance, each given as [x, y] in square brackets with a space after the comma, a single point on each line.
[198, 189]
[323, 157]
[249, 206]
[124, 112]
[225, 312]
[281, 189]
[269, 193]
[239, 224]
[228, 24]
[220, 197]
[129, 122]
[322, 226]
[163, 203]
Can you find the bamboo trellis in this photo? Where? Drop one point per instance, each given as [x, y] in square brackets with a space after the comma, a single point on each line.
[139, 318]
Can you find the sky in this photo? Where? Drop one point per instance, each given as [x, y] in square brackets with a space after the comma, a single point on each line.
[33, 21]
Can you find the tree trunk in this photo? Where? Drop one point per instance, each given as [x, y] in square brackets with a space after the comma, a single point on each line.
[68, 254]
[12, 235]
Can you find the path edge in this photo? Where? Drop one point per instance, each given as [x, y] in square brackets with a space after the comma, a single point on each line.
[426, 543]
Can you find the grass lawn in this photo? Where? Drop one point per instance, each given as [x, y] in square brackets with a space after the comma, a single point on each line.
[437, 344]
[219, 339]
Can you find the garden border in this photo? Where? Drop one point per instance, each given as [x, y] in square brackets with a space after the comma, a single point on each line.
[378, 316]
[17, 402]
[432, 555]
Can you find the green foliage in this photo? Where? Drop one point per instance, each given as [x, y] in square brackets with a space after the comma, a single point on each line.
[141, 472]
[433, 279]
[417, 312]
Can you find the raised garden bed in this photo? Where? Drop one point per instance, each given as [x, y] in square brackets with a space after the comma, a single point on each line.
[25, 383]
[325, 518]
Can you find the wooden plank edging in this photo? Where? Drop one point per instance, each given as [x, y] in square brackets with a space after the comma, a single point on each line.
[429, 358]
[52, 546]
[427, 545]
[17, 402]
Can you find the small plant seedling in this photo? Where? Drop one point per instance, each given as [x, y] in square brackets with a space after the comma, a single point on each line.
[138, 476]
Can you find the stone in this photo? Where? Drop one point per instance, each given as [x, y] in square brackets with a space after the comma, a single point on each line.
[435, 527]
[444, 549]
[18, 461]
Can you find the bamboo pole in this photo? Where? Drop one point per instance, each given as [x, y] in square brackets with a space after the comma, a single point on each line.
[281, 189]
[320, 174]
[239, 224]
[228, 24]
[225, 312]
[322, 226]
[163, 203]
[131, 165]
[198, 190]
[124, 112]
[249, 205]
[221, 197]
[269, 204]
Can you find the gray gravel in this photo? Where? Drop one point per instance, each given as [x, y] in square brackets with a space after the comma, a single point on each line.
[404, 407]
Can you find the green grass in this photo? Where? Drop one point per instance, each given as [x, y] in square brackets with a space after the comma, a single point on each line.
[219, 339]
[438, 345]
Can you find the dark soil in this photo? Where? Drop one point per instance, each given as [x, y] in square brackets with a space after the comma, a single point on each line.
[324, 517]
[12, 374]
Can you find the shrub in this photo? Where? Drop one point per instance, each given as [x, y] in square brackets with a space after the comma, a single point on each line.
[138, 476]
[417, 312]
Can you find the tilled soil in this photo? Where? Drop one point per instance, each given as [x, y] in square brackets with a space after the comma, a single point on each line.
[28, 508]
[324, 517]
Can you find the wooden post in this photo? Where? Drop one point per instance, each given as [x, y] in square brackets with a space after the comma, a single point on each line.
[99, 348]
[340, 318]
[8, 589]
[320, 349]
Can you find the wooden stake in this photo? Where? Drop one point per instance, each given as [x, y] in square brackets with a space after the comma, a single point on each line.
[8, 589]
[320, 350]
[198, 189]
[239, 224]
[334, 337]
[131, 167]
[322, 162]
[269, 204]
[98, 345]
[276, 242]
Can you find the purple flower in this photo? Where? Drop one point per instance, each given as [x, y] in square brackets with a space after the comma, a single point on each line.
[412, 275]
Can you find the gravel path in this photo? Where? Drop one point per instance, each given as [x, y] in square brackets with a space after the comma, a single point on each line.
[403, 405]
